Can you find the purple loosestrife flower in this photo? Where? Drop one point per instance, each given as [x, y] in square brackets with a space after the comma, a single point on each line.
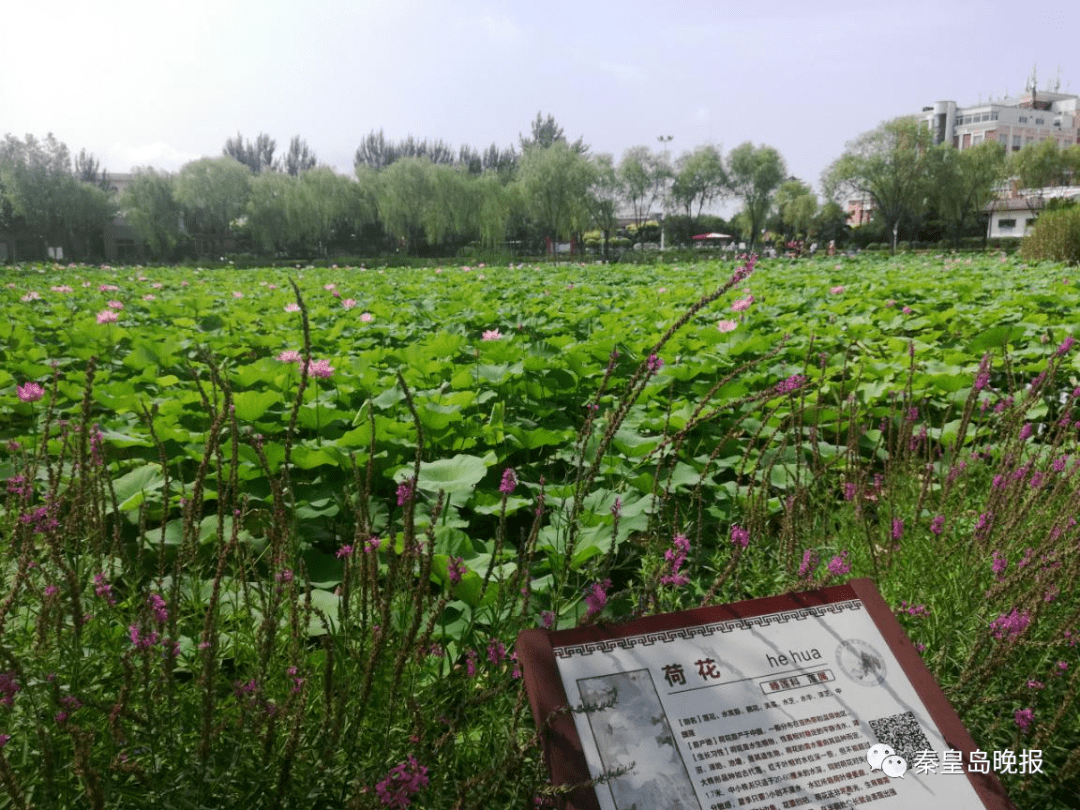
[596, 598]
[509, 481]
[159, 607]
[1024, 718]
[839, 565]
[1000, 563]
[30, 392]
[676, 556]
[740, 536]
[496, 651]
[405, 491]
[897, 529]
[937, 524]
[810, 561]
[1065, 345]
[1010, 626]
[9, 687]
[792, 383]
[455, 569]
[982, 379]
[344, 551]
[653, 364]
[399, 786]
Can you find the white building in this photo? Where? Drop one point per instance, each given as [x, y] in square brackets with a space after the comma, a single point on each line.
[1016, 122]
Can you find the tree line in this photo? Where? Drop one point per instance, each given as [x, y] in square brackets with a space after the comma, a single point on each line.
[424, 197]
[926, 192]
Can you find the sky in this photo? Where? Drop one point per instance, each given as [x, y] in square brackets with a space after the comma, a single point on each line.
[161, 83]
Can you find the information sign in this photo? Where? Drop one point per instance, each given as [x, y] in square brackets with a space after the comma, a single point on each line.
[812, 700]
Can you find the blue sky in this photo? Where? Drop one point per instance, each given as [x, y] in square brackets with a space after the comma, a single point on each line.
[160, 83]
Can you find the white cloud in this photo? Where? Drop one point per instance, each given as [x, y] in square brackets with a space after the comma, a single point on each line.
[123, 157]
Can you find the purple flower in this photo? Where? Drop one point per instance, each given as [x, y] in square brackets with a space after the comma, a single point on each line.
[897, 529]
[30, 392]
[496, 651]
[1024, 718]
[406, 779]
[596, 597]
[1011, 625]
[810, 561]
[344, 551]
[839, 565]
[653, 364]
[405, 491]
[159, 607]
[509, 481]
[739, 536]
[1001, 562]
[792, 383]
[937, 524]
[455, 569]
[9, 687]
[676, 556]
[1065, 345]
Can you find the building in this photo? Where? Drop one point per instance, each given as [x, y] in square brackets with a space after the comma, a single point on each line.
[1014, 214]
[1037, 115]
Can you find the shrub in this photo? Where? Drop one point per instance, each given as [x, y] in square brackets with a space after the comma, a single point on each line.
[1056, 237]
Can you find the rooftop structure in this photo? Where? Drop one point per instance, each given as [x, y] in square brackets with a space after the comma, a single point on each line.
[1037, 115]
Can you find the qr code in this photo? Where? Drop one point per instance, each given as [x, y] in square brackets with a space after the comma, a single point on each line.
[901, 732]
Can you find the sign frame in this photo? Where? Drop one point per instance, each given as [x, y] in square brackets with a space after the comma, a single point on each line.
[563, 750]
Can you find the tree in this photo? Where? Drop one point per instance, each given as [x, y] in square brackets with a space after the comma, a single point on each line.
[1043, 164]
[642, 176]
[831, 223]
[700, 179]
[299, 159]
[546, 133]
[888, 165]
[43, 199]
[754, 174]
[213, 193]
[149, 204]
[555, 183]
[89, 170]
[796, 204]
[963, 182]
[257, 155]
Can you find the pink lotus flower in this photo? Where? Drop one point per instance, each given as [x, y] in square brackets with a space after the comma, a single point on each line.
[320, 368]
[742, 304]
[492, 334]
[33, 295]
[349, 303]
[237, 294]
[292, 307]
[31, 392]
[366, 317]
[117, 305]
[107, 316]
[61, 288]
[839, 288]
[727, 326]
[290, 356]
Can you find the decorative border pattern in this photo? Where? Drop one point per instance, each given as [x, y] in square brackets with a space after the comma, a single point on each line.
[704, 630]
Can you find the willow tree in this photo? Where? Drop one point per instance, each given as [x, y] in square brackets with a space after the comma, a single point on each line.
[889, 165]
[555, 184]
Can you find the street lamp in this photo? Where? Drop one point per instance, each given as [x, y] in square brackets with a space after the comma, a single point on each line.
[664, 140]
